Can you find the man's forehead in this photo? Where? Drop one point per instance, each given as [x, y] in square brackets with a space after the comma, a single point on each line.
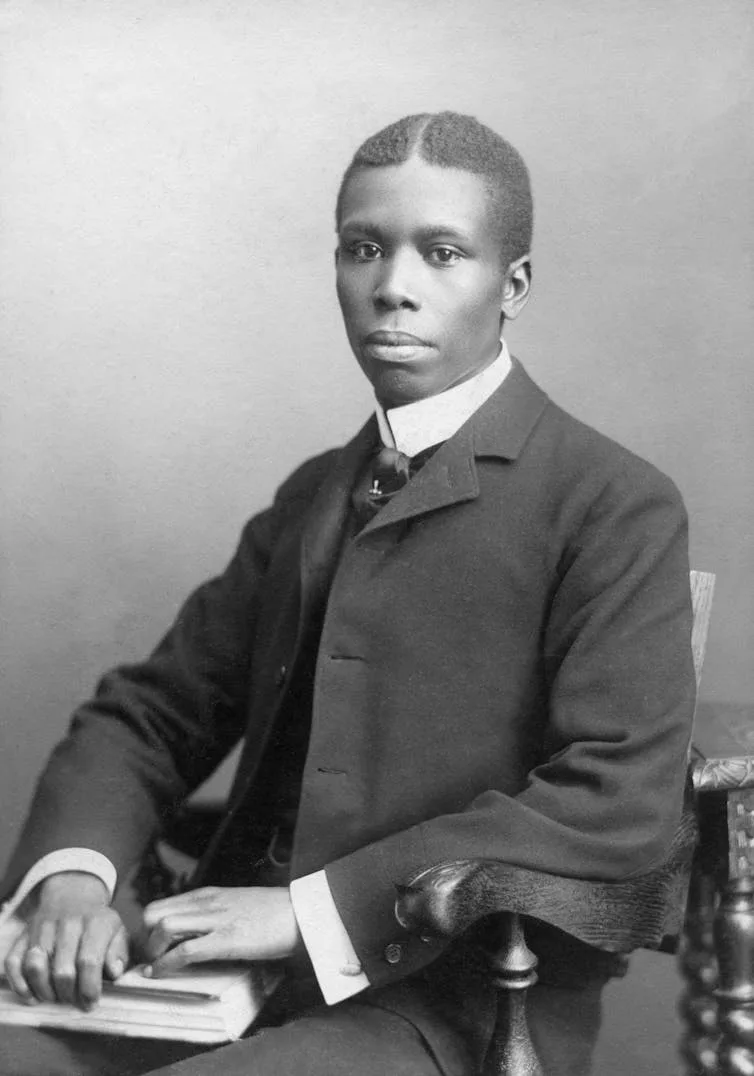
[415, 193]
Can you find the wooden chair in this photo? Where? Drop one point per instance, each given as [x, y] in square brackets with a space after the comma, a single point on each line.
[619, 917]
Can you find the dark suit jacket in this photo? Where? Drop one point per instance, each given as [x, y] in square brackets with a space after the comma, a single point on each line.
[504, 670]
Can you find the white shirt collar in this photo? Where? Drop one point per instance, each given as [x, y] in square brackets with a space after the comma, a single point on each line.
[415, 426]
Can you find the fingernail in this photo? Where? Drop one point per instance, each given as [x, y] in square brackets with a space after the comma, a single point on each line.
[146, 971]
[118, 968]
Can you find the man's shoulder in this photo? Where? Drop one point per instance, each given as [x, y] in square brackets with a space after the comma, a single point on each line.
[583, 455]
[591, 487]
[561, 452]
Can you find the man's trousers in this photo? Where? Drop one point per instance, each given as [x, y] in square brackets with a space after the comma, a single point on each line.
[355, 1038]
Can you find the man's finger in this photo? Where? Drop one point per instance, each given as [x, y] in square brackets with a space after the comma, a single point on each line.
[117, 955]
[193, 951]
[97, 935]
[36, 961]
[175, 928]
[64, 959]
[14, 971]
[179, 904]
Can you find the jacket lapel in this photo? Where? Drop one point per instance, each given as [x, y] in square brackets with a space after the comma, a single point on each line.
[500, 428]
[449, 477]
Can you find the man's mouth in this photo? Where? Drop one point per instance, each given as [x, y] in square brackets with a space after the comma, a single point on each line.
[386, 338]
[386, 346]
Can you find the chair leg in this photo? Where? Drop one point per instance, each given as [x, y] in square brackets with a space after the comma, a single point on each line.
[734, 942]
[697, 1006]
[513, 967]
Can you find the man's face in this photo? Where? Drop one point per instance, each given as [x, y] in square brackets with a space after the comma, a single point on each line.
[420, 278]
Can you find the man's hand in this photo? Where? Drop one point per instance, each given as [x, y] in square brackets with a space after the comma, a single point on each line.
[219, 924]
[71, 935]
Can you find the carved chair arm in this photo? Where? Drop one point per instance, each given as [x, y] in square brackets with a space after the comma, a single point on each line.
[617, 917]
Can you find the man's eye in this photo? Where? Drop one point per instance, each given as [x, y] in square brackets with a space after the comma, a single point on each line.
[364, 252]
[445, 255]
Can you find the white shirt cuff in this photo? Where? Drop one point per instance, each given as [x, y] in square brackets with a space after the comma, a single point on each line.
[336, 965]
[64, 859]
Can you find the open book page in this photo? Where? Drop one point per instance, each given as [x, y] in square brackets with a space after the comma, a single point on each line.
[209, 981]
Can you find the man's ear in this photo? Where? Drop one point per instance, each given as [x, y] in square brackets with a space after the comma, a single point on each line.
[516, 287]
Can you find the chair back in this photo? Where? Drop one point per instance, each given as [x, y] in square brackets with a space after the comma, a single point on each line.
[702, 593]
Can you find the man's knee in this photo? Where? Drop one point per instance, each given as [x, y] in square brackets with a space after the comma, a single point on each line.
[346, 1039]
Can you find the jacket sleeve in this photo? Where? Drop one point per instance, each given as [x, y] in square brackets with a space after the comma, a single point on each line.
[606, 799]
[153, 731]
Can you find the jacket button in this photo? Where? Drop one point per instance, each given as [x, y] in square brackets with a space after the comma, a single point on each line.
[280, 675]
[393, 953]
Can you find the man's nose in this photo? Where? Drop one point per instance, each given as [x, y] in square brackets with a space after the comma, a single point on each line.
[396, 285]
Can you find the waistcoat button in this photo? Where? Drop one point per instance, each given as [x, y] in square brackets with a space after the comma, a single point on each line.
[280, 675]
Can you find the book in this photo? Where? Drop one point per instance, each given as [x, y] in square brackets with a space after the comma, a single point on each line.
[205, 1004]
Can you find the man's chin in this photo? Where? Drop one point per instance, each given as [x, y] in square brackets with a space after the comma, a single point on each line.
[398, 383]
[398, 387]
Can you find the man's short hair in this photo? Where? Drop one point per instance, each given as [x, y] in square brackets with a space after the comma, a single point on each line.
[453, 140]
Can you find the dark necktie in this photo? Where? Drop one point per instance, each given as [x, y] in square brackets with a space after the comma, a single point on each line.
[390, 471]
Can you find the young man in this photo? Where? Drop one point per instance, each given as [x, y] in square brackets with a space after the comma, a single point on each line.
[467, 633]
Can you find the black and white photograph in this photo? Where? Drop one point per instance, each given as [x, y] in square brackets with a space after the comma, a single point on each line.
[376, 560]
